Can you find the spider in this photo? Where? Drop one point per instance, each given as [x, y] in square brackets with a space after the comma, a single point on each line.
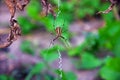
[58, 31]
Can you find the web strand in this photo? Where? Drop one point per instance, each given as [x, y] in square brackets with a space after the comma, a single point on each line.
[60, 63]
[60, 56]
[58, 8]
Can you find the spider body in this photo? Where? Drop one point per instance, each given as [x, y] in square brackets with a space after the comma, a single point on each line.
[58, 31]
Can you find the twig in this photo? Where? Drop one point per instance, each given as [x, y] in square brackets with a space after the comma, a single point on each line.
[115, 11]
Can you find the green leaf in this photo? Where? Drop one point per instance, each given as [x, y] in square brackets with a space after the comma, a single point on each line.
[51, 54]
[27, 47]
[67, 75]
[3, 77]
[111, 69]
[39, 67]
[109, 37]
[33, 9]
[88, 61]
[70, 76]
[108, 74]
[26, 25]
[76, 51]
[6, 77]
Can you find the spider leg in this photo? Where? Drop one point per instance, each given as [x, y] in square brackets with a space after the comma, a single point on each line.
[63, 38]
[67, 43]
[56, 38]
[51, 43]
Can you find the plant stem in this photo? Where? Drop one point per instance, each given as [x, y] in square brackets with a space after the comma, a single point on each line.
[116, 14]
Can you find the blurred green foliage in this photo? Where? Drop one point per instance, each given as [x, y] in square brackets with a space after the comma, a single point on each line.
[27, 25]
[27, 47]
[111, 69]
[69, 76]
[38, 68]
[51, 54]
[107, 38]
[78, 9]
[6, 77]
[87, 7]
[87, 61]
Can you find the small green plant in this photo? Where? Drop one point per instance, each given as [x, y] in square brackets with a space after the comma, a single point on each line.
[111, 69]
[27, 47]
[109, 37]
[87, 61]
[6, 77]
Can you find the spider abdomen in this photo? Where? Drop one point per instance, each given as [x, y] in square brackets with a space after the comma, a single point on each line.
[58, 31]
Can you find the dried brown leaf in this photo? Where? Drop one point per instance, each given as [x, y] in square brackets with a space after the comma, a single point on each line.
[15, 31]
[47, 8]
[12, 7]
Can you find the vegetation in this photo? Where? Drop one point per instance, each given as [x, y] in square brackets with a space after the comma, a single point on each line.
[106, 41]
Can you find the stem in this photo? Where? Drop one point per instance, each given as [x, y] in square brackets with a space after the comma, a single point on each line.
[116, 14]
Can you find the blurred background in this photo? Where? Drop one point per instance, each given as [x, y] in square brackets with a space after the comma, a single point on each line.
[94, 42]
